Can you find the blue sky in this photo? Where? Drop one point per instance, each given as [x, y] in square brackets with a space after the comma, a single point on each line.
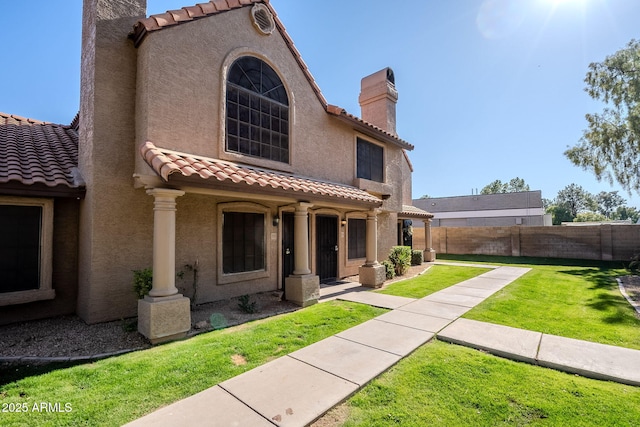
[488, 89]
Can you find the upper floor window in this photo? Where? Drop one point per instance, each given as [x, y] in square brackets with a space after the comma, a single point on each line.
[370, 158]
[257, 111]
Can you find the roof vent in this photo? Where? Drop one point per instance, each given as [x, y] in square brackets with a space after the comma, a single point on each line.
[263, 19]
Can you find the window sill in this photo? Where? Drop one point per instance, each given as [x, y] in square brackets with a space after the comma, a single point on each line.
[228, 278]
[374, 187]
[255, 161]
[23, 297]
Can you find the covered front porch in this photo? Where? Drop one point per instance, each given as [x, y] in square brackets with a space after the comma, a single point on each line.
[255, 230]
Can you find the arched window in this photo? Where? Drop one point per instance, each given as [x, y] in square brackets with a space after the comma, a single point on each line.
[257, 111]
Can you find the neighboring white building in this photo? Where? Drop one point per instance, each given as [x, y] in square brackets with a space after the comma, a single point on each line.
[486, 210]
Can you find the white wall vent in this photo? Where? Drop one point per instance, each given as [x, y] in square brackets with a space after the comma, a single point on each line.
[263, 19]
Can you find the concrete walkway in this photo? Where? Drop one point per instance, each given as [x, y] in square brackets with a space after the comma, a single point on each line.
[295, 390]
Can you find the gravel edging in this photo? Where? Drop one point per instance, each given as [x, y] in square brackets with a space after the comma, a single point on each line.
[63, 359]
[68, 339]
[623, 291]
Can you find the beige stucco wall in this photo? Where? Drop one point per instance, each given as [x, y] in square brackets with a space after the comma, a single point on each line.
[180, 89]
[170, 90]
[115, 219]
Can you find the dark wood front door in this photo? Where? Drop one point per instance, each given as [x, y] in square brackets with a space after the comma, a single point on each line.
[327, 247]
[287, 246]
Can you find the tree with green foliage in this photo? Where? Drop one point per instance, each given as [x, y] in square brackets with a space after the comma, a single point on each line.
[626, 212]
[609, 147]
[494, 187]
[608, 202]
[513, 186]
[576, 199]
[559, 214]
[590, 216]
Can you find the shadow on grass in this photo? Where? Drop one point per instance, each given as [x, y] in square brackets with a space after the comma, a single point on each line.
[603, 281]
[10, 372]
[619, 308]
[568, 262]
[601, 278]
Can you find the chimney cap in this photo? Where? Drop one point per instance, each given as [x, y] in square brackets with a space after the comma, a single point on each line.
[383, 76]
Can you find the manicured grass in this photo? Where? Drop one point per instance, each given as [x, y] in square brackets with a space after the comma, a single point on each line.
[120, 389]
[577, 300]
[449, 385]
[434, 279]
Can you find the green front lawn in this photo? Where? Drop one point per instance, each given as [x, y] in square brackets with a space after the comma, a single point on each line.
[447, 385]
[576, 300]
[434, 279]
[114, 391]
[571, 298]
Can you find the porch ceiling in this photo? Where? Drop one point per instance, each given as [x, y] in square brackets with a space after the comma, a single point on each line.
[166, 162]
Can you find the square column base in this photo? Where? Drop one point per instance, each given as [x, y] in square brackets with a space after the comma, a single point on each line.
[429, 255]
[162, 319]
[302, 290]
[372, 276]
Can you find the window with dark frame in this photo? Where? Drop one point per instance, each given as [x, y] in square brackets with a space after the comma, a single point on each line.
[21, 231]
[257, 111]
[243, 243]
[370, 159]
[357, 238]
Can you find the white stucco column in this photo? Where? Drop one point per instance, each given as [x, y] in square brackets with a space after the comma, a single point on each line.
[164, 241]
[429, 253]
[427, 234]
[164, 314]
[372, 274]
[301, 287]
[301, 239]
[372, 239]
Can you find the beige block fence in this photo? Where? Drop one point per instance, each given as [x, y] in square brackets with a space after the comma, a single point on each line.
[594, 242]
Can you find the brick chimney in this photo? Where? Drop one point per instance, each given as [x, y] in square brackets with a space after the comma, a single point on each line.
[378, 98]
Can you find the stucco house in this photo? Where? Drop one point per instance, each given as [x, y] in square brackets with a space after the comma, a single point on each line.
[203, 144]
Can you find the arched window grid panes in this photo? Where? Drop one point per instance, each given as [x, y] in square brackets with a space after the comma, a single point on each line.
[257, 111]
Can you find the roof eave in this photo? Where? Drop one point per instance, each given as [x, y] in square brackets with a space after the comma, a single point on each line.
[367, 128]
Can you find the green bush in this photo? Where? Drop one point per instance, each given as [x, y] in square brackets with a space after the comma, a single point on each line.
[400, 257]
[389, 269]
[245, 304]
[142, 282]
[634, 264]
[417, 257]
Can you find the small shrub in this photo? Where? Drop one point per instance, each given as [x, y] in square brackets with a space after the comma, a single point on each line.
[400, 256]
[130, 325]
[142, 282]
[634, 264]
[246, 305]
[417, 257]
[389, 269]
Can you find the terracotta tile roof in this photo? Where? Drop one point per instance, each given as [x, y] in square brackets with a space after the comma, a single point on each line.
[364, 126]
[167, 162]
[35, 152]
[409, 211]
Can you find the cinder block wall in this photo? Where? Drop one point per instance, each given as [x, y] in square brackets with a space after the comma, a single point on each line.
[598, 242]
